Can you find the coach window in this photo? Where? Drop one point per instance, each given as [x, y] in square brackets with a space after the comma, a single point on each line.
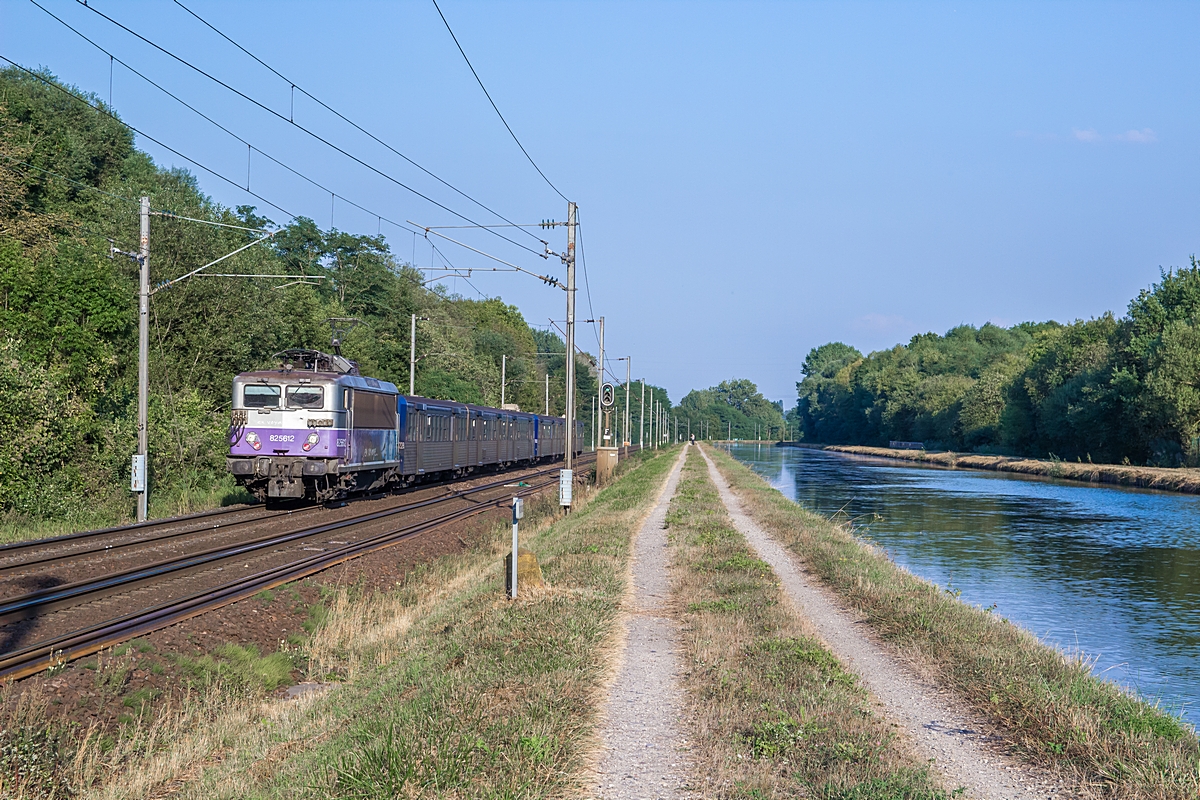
[305, 397]
[260, 396]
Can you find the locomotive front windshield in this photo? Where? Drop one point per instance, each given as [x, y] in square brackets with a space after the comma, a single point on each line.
[260, 396]
[305, 397]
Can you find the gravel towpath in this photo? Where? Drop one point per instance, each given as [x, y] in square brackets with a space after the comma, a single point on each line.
[643, 746]
[940, 732]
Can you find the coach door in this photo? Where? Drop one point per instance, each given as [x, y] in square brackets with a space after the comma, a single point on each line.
[478, 431]
[505, 422]
[458, 436]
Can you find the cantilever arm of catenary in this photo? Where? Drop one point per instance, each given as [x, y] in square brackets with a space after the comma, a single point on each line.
[548, 279]
[173, 281]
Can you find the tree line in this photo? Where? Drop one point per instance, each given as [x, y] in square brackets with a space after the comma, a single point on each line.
[69, 182]
[1113, 390]
[732, 409]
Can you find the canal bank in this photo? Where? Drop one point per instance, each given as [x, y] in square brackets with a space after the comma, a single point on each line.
[1164, 479]
[1044, 705]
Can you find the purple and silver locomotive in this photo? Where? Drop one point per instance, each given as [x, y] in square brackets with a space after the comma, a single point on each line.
[314, 428]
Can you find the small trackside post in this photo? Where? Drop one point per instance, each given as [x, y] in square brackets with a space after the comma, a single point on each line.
[566, 483]
[518, 512]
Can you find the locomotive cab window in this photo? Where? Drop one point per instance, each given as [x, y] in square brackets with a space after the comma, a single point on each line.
[305, 397]
[260, 396]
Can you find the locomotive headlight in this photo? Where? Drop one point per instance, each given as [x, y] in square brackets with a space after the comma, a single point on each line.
[311, 441]
[253, 440]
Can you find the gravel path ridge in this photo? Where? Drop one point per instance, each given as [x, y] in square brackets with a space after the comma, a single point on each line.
[945, 735]
[643, 748]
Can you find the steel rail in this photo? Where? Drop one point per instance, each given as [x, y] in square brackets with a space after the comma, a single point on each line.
[43, 601]
[6, 550]
[150, 523]
[44, 560]
[150, 540]
[59, 650]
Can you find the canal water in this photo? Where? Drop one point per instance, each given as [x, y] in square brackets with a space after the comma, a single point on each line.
[1112, 573]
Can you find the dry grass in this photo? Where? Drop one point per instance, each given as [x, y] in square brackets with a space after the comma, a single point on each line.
[776, 714]
[445, 689]
[1167, 479]
[1051, 707]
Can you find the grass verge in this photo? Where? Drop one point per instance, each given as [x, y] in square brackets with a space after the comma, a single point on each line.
[1167, 479]
[443, 688]
[777, 715]
[1052, 708]
[118, 509]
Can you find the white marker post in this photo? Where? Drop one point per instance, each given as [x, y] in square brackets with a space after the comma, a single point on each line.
[566, 483]
[518, 512]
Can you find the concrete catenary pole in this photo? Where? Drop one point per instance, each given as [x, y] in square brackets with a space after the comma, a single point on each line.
[503, 377]
[600, 382]
[653, 411]
[625, 437]
[412, 355]
[143, 444]
[570, 402]
[547, 394]
[642, 418]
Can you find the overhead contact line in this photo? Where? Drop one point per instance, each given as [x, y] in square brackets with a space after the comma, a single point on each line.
[493, 102]
[351, 122]
[141, 133]
[250, 147]
[299, 127]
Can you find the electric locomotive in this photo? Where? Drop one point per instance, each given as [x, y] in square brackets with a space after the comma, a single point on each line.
[315, 428]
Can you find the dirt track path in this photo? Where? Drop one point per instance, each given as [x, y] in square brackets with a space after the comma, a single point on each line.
[643, 747]
[947, 736]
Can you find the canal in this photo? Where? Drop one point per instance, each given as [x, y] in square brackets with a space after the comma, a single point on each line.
[1109, 572]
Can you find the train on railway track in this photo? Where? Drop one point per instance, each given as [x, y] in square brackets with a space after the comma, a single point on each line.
[315, 428]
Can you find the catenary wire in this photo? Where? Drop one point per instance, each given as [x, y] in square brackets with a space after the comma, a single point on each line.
[190, 160]
[299, 127]
[120, 121]
[249, 146]
[435, 249]
[349, 121]
[159, 212]
[200, 113]
[71, 181]
[493, 102]
[79, 226]
[586, 285]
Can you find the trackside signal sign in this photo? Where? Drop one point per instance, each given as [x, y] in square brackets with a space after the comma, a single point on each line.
[607, 396]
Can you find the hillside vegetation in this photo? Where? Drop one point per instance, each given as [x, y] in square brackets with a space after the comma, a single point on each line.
[1111, 390]
[70, 177]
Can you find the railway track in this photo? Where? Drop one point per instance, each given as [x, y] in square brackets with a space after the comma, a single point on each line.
[201, 581]
[33, 553]
[16, 555]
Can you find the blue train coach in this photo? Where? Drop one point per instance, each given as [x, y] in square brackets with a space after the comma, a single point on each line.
[315, 428]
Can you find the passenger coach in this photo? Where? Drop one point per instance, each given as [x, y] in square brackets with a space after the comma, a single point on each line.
[316, 428]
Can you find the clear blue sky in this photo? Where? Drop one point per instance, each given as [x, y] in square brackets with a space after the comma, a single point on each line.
[753, 179]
